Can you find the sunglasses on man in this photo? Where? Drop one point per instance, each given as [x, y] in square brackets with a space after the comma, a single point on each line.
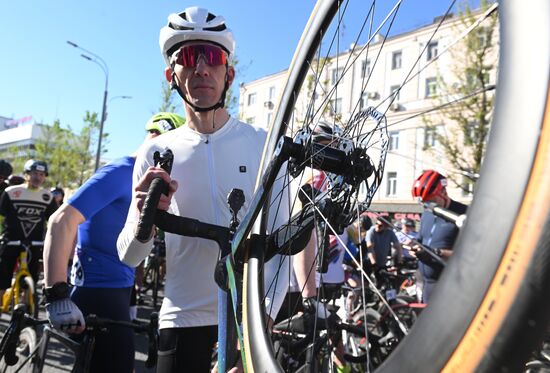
[189, 55]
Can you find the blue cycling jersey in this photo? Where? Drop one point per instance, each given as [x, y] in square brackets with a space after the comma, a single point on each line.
[104, 201]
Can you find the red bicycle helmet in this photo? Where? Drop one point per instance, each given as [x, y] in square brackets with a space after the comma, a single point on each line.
[429, 184]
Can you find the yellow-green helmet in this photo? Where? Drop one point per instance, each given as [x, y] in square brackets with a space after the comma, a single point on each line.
[163, 122]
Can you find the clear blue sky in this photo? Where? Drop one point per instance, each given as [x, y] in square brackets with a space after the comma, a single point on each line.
[41, 75]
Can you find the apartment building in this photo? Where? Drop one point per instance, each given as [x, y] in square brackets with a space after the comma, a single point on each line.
[413, 145]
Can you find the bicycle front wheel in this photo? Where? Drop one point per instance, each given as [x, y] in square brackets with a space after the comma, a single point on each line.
[26, 345]
[28, 296]
[490, 307]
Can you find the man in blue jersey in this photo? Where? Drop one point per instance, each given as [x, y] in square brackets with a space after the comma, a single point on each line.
[102, 283]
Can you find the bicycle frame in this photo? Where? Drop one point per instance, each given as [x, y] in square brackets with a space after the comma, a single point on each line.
[82, 350]
[234, 244]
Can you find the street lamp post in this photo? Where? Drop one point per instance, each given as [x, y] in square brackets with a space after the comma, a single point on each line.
[103, 65]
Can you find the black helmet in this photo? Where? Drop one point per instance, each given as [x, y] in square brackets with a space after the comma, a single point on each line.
[16, 180]
[5, 168]
[57, 190]
[407, 222]
[366, 222]
[33, 165]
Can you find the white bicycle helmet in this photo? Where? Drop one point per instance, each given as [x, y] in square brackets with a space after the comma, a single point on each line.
[194, 24]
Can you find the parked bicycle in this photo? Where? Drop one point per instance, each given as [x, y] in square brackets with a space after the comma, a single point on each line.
[23, 288]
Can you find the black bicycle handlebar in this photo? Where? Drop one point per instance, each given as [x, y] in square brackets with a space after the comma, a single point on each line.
[20, 320]
[192, 227]
[151, 329]
[158, 186]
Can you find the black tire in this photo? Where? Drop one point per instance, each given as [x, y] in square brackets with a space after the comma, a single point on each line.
[491, 300]
[149, 275]
[25, 346]
[151, 280]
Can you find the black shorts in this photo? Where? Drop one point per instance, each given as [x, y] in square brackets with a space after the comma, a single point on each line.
[8, 258]
[292, 304]
[114, 351]
[186, 349]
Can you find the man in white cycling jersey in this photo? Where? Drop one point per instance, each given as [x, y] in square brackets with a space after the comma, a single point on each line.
[213, 154]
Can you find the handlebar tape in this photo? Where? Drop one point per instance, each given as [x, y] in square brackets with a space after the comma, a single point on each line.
[158, 186]
[148, 212]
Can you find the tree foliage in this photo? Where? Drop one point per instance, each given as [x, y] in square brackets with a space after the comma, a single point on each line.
[167, 98]
[463, 137]
[70, 156]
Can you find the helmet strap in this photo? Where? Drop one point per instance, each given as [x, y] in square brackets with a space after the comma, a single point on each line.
[219, 105]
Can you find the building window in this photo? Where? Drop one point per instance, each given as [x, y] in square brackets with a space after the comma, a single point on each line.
[269, 119]
[365, 68]
[394, 140]
[471, 133]
[363, 104]
[467, 187]
[431, 87]
[430, 137]
[395, 91]
[250, 120]
[336, 75]
[482, 34]
[474, 134]
[396, 60]
[271, 94]
[336, 106]
[432, 51]
[251, 99]
[476, 79]
[391, 184]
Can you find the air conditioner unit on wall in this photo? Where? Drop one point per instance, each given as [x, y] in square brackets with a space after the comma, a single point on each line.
[395, 106]
[372, 95]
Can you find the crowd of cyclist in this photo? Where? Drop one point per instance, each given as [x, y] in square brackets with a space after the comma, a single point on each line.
[92, 232]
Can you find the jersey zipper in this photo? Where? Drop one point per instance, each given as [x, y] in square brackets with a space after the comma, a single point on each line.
[212, 173]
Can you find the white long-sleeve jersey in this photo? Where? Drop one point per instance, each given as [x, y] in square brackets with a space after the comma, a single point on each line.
[207, 168]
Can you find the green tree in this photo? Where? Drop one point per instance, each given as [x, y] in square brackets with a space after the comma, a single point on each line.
[84, 147]
[232, 99]
[16, 156]
[70, 156]
[463, 139]
[168, 96]
[52, 147]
